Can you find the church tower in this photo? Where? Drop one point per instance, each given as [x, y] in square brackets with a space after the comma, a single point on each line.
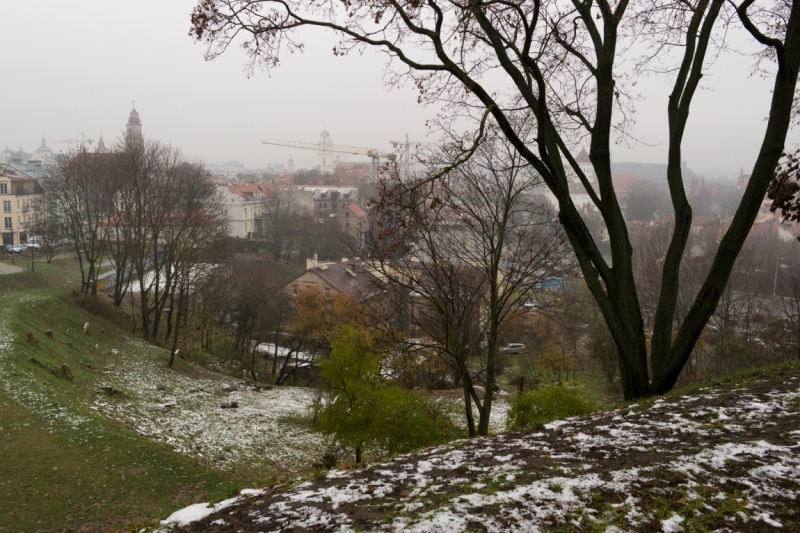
[101, 145]
[134, 126]
[290, 167]
[325, 162]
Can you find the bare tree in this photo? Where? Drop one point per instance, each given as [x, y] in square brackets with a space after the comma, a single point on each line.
[284, 219]
[211, 301]
[46, 224]
[549, 75]
[79, 185]
[469, 249]
[788, 305]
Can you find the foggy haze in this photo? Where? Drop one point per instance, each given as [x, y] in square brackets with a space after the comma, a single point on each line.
[74, 68]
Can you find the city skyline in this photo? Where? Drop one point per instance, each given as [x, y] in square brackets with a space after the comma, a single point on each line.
[86, 63]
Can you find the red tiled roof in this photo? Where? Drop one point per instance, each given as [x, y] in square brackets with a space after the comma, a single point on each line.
[245, 190]
[357, 211]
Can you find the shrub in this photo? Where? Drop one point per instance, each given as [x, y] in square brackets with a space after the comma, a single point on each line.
[363, 413]
[536, 408]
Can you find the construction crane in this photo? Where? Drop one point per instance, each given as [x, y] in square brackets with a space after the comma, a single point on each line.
[376, 155]
[406, 151]
[82, 140]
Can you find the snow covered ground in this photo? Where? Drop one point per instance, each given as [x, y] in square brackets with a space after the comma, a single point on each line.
[718, 460]
[186, 413]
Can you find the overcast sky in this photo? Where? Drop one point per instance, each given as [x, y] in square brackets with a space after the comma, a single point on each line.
[73, 67]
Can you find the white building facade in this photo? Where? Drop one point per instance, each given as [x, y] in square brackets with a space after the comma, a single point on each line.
[244, 206]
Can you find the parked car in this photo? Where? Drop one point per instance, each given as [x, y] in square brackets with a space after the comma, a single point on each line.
[513, 347]
[16, 248]
[33, 242]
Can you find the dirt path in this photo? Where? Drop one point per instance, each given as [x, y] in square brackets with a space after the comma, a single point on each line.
[723, 459]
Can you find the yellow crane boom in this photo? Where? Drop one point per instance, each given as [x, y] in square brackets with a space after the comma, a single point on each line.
[81, 140]
[338, 148]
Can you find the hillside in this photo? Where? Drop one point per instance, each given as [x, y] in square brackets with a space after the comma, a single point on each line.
[126, 441]
[719, 458]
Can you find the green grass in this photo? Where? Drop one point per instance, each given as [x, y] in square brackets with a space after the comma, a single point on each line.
[59, 475]
[533, 409]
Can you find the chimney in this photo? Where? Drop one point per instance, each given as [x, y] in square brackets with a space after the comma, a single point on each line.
[312, 263]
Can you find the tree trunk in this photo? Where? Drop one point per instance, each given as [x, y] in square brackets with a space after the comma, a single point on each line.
[468, 405]
[177, 329]
[667, 370]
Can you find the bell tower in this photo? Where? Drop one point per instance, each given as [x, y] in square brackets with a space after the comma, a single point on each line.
[134, 126]
[325, 162]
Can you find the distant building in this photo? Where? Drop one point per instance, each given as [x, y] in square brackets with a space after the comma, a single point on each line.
[742, 180]
[326, 161]
[133, 129]
[348, 277]
[43, 153]
[101, 145]
[26, 164]
[331, 202]
[245, 205]
[585, 164]
[20, 197]
[788, 231]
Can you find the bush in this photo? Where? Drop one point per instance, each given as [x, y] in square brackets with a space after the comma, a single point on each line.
[364, 414]
[536, 408]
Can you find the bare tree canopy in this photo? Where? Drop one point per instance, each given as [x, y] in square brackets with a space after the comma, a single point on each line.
[551, 75]
[466, 251]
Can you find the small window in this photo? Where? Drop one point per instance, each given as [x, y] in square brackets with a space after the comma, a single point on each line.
[3, 188]
[6, 206]
[9, 224]
[294, 290]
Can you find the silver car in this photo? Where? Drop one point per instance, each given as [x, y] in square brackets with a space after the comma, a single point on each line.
[513, 347]
[16, 248]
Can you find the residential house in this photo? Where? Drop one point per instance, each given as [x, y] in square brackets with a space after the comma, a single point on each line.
[348, 277]
[245, 205]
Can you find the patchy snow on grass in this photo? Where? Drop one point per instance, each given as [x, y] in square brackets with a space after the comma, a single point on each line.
[186, 412]
[20, 383]
[533, 481]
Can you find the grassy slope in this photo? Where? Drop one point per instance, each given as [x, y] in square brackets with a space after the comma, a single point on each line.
[64, 467]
